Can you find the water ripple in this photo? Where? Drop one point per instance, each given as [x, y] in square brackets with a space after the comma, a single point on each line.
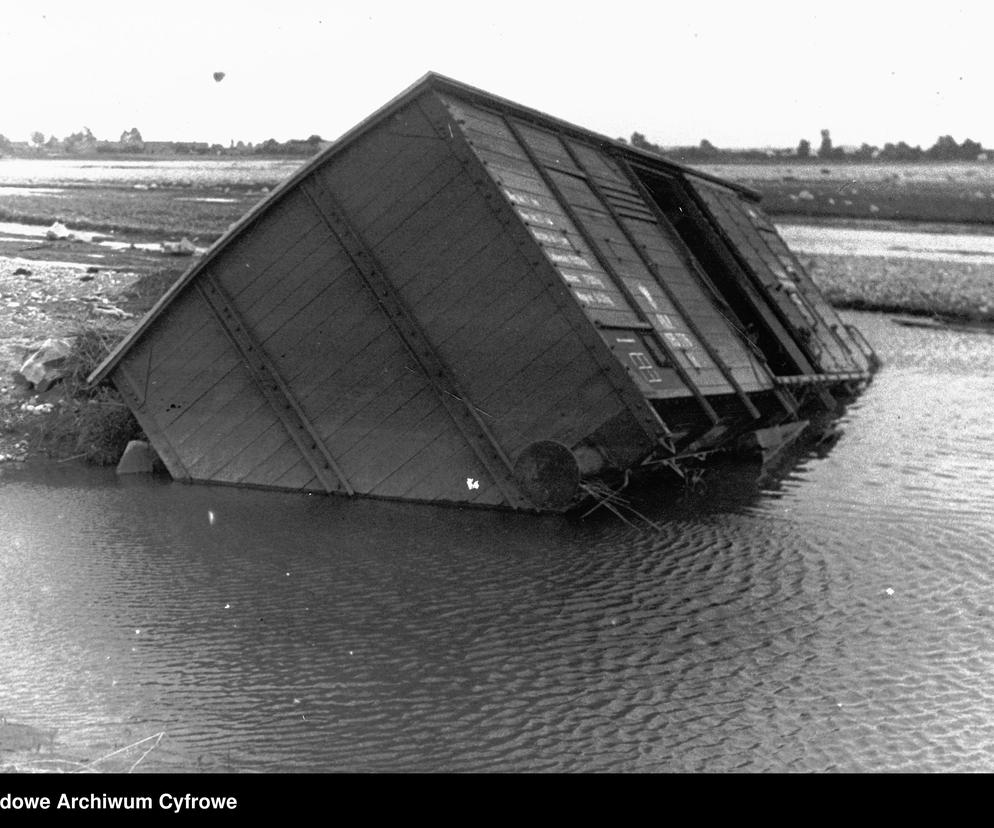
[834, 620]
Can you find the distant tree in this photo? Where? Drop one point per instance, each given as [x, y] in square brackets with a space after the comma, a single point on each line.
[865, 152]
[944, 149]
[707, 149]
[639, 141]
[825, 150]
[131, 140]
[971, 150]
[314, 140]
[37, 138]
[901, 151]
[80, 142]
[804, 148]
[5, 145]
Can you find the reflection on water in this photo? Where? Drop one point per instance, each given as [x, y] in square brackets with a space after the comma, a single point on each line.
[838, 619]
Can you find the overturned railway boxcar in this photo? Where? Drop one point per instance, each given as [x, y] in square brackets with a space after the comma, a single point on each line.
[465, 300]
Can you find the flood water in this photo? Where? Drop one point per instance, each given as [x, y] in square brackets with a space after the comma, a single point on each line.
[949, 246]
[837, 619]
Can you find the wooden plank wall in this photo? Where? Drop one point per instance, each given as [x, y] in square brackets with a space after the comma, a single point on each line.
[202, 402]
[758, 245]
[373, 408]
[594, 273]
[674, 264]
[814, 298]
[467, 283]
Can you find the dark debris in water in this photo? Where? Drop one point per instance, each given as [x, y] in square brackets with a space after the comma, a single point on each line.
[22, 737]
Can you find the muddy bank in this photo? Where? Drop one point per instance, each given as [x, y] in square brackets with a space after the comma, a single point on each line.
[60, 289]
[948, 290]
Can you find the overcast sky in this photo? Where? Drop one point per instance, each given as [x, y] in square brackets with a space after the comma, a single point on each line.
[760, 73]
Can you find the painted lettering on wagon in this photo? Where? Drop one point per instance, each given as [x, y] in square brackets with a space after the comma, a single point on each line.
[546, 237]
[594, 297]
[582, 279]
[570, 259]
[516, 197]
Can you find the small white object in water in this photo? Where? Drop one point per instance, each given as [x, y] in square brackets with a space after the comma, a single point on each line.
[210, 517]
[889, 591]
[227, 606]
[472, 484]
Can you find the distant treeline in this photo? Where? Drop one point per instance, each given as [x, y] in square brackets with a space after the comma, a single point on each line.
[132, 143]
[946, 148]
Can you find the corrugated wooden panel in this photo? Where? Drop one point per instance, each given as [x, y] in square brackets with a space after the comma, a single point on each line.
[526, 187]
[552, 229]
[628, 265]
[782, 277]
[675, 270]
[813, 297]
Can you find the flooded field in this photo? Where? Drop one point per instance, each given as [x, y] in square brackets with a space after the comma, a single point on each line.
[51, 172]
[936, 192]
[836, 619]
[949, 246]
[136, 198]
[982, 173]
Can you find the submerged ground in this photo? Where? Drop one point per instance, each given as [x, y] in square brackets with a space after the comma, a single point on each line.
[91, 244]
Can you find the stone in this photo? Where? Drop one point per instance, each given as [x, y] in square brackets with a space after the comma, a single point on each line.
[138, 458]
[58, 231]
[47, 365]
[184, 247]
